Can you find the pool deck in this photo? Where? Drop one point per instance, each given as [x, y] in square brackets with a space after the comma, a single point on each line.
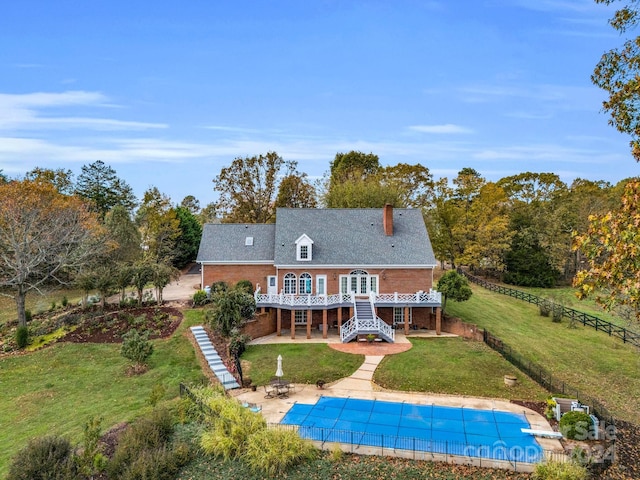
[360, 385]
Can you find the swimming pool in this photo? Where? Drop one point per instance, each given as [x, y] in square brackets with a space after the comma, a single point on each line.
[463, 431]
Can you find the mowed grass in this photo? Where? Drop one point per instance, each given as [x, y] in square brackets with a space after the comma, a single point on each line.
[36, 303]
[589, 360]
[567, 296]
[301, 363]
[57, 389]
[455, 366]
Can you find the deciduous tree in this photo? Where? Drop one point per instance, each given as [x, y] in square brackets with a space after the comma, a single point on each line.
[611, 247]
[45, 237]
[248, 188]
[59, 178]
[295, 191]
[617, 73]
[454, 286]
[159, 226]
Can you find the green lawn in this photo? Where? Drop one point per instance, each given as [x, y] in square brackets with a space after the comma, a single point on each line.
[301, 363]
[566, 296]
[590, 360]
[36, 303]
[57, 389]
[454, 366]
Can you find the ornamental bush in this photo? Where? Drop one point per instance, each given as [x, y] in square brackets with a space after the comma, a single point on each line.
[200, 298]
[44, 458]
[136, 347]
[22, 337]
[273, 451]
[552, 470]
[575, 425]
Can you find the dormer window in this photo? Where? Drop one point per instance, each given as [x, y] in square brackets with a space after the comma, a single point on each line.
[304, 249]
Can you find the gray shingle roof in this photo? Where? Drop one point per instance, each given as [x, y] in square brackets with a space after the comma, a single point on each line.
[225, 242]
[353, 237]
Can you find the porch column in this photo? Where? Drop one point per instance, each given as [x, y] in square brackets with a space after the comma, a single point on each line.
[278, 322]
[263, 309]
[406, 320]
[438, 320]
[293, 324]
[324, 323]
[350, 312]
[308, 324]
[339, 320]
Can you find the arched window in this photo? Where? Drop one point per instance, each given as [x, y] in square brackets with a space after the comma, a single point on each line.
[290, 283]
[305, 283]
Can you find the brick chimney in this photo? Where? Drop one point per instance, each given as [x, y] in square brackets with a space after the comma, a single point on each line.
[387, 219]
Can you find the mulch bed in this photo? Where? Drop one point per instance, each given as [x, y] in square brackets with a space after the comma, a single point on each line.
[109, 327]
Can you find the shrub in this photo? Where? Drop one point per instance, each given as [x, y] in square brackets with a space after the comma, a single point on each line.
[136, 347]
[157, 464]
[148, 433]
[92, 461]
[22, 337]
[65, 301]
[238, 343]
[545, 308]
[220, 286]
[200, 298]
[52, 307]
[157, 392]
[27, 315]
[49, 458]
[273, 451]
[575, 425]
[552, 470]
[232, 425]
[557, 313]
[244, 286]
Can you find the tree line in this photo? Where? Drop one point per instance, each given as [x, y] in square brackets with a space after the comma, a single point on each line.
[529, 229]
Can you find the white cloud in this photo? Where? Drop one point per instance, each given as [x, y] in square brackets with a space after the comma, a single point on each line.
[26, 112]
[447, 128]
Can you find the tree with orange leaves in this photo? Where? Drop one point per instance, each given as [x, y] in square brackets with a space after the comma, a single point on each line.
[45, 237]
[611, 247]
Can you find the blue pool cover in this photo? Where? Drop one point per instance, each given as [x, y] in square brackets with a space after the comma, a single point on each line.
[429, 428]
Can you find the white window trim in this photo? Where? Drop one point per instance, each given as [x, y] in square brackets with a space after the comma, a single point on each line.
[401, 309]
[372, 280]
[302, 288]
[290, 279]
[300, 317]
[318, 290]
[304, 240]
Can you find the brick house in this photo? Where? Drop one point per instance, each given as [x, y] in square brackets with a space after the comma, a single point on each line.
[347, 272]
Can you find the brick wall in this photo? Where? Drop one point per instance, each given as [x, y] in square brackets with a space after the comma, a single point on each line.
[256, 274]
[262, 324]
[463, 329]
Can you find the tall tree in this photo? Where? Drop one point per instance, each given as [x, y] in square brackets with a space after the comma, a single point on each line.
[611, 247]
[45, 237]
[191, 203]
[487, 230]
[208, 214]
[3, 177]
[617, 73]
[59, 178]
[441, 219]
[188, 240]
[99, 184]
[353, 165]
[159, 226]
[295, 191]
[367, 192]
[248, 188]
[414, 184]
[126, 237]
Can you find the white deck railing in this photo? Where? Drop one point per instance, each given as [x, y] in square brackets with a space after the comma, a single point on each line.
[355, 326]
[431, 297]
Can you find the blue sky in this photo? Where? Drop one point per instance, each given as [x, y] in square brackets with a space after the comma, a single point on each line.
[168, 93]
